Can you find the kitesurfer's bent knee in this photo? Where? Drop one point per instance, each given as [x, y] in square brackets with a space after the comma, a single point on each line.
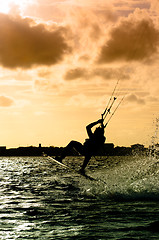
[72, 145]
[76, 145]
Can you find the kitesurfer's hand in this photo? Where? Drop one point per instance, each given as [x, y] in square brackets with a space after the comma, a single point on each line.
[100, 121]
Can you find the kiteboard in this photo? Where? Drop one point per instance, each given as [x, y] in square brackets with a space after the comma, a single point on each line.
[58, 162]
[72, 169]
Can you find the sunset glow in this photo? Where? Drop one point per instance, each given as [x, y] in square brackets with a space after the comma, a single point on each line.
[60, 61]
[7, 5]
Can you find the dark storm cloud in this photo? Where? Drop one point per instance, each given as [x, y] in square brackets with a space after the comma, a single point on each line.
[6, 101]
[23, 44]
[130, 41]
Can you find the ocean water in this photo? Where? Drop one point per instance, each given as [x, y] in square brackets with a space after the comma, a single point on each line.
[41, 200]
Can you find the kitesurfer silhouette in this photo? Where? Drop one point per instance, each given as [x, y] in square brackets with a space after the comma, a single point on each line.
[90, 146]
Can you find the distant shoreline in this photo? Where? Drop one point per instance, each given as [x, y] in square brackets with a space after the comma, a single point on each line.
[107, 150]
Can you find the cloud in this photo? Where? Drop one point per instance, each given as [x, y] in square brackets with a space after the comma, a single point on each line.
[106, 73]
[88, 26]
[76, 73]
[130, 40]
[24, 44]
[83, 101]
[6, 101]
[42, 84]
[46, 85]
[135, 99]
[155, 5]
[44, 73]
[124, 8]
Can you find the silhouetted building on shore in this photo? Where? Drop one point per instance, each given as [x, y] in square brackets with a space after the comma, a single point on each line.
[2, 150]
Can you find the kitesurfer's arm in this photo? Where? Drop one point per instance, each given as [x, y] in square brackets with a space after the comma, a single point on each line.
[89, 126]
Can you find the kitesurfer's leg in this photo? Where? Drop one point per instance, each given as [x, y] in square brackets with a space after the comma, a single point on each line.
[86, 160]
[73, 144]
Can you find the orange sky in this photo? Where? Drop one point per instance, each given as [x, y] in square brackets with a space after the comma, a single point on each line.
[60, 60]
